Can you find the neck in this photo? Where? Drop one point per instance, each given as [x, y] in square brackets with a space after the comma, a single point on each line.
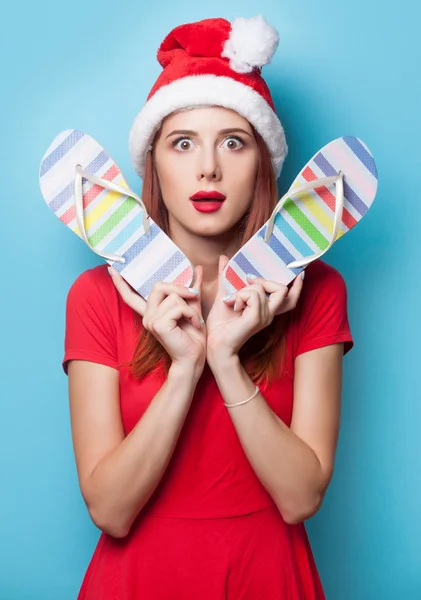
[203, 250]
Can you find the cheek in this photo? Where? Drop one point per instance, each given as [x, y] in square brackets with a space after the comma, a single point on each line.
[174, 168]
[167, 175]
[174, 194]
[243, 181]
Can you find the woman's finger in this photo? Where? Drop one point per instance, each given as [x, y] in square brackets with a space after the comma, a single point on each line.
[295, 290]
[162, 289]
[280, 296]
[130, 297]
[280, 303]
[196, 299]
[269, 286]
[160, 323]
[156, 312]
[248, 296]
[238, 299]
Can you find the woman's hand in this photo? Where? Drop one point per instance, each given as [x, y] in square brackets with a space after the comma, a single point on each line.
[232, 322]
[173, 315]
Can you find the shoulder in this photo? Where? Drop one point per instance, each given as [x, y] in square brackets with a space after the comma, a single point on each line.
[324, 294]
[92, 319]
[94, 288]
[321, 314]
[96, 276]
[320, 274]
[321, 281]
[92, 280]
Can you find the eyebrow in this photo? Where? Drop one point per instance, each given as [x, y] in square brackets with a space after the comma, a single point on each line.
[222, 131]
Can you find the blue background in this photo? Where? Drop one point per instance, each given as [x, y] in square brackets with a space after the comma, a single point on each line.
[341, 68]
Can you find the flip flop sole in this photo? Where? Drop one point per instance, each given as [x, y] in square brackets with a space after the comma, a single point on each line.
[304, 225]
[113, 221]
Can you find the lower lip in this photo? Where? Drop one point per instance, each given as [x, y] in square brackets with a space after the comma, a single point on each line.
[206, 207]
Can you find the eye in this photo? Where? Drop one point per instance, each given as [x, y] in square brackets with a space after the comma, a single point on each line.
[237, 140]
[186, 142]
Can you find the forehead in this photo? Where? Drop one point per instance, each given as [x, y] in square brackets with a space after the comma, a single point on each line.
[205, 119]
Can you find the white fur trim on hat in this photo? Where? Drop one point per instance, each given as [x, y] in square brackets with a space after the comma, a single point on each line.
[251, 43]
[207, 90]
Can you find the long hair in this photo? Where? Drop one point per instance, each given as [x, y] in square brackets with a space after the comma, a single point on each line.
[263, 354]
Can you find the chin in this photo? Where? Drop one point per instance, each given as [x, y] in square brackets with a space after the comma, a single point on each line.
[209, 225]
[210, 229]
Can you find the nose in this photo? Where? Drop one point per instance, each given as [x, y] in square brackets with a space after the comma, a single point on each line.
[208, 166]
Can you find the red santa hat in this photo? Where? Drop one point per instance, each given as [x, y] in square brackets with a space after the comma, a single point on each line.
[213, 63]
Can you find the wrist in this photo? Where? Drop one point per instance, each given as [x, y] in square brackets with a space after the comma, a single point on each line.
[218, 351]
[185, 371]
[223, 362]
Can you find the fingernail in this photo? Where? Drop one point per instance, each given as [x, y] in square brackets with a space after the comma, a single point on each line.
[302, 275]
[202, 321]
[227, 297]
[193, 290]
[111, 271]
[251, 276]
[235, 306]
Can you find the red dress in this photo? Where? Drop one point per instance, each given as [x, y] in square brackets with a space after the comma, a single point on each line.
[210, 531]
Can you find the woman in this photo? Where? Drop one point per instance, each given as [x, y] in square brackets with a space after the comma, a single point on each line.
[199, 480]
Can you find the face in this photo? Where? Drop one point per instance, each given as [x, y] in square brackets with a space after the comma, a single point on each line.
[206, 150]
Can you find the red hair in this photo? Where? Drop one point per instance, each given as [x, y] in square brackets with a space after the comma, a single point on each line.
[263, 354]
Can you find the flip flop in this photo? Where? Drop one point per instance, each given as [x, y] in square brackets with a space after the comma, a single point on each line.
[86, 190]
[327, 199]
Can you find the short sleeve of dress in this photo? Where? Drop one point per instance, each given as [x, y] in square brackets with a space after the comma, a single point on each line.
[90, 332]
[322, 310]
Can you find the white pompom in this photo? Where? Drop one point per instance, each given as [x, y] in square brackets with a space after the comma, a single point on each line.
[252, 43]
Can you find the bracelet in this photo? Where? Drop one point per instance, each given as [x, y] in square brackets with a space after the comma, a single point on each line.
[256, 391]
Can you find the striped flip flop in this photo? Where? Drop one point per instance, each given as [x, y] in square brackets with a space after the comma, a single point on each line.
[327, 199]
[86, 190]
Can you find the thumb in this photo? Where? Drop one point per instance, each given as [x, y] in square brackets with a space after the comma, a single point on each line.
[196, 302]
[223, 261]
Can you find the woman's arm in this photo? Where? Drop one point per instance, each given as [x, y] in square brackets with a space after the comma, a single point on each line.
[294, 464]
[118, 474]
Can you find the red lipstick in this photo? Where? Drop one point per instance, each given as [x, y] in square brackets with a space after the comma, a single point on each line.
[213, 194]
[207, 201]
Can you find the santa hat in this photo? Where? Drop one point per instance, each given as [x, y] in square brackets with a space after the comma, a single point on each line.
[213, 63]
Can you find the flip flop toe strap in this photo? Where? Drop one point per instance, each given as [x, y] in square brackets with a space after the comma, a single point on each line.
[311, 185]
[113, 187]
